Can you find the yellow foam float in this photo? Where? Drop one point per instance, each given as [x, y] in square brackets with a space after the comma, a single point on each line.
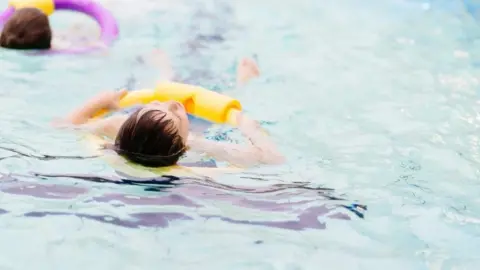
[198, 101]
[46, 6]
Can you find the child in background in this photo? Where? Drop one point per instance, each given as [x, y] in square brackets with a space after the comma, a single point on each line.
[29, 29]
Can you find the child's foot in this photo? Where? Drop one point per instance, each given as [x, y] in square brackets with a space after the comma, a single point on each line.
[247, 69]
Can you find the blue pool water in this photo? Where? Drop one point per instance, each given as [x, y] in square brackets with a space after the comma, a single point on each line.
[373, 102]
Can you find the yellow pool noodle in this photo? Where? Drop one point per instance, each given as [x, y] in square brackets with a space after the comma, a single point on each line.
[46, 6]
[198, 101]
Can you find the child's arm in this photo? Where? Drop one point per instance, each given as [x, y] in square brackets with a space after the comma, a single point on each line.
[103, 101]
[104, 127]
[261, 149]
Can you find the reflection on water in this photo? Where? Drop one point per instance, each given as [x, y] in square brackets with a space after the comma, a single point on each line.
[189, 193]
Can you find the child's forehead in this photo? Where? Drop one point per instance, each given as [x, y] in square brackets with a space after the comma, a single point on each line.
[132, 109]
[128, 110]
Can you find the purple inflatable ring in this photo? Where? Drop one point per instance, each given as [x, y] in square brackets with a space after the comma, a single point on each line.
[108, 24]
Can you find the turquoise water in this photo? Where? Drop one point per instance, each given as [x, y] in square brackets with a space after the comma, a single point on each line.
[374, 99]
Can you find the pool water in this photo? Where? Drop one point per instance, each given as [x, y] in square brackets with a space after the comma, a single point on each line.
[374, 103]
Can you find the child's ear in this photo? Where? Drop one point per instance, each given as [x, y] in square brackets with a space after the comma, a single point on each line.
[108, 146]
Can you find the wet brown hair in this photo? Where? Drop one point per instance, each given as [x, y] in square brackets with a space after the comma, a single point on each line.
[150, 140]
[27, 29]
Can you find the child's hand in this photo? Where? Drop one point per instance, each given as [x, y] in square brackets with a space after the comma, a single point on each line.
[110, 100]
[103, 101]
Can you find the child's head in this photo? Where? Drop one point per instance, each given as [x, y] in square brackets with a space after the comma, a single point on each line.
[155, 135]
[27, 29]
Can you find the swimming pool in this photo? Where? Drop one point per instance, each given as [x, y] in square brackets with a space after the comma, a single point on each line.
[374, 99]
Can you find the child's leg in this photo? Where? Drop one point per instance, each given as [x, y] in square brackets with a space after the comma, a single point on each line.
[162, 62]
[247, 69]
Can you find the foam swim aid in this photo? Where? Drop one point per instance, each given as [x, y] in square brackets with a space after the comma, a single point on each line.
[106, 21]
[198, 101]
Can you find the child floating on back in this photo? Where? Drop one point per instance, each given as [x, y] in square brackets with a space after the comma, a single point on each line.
[158, 135]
